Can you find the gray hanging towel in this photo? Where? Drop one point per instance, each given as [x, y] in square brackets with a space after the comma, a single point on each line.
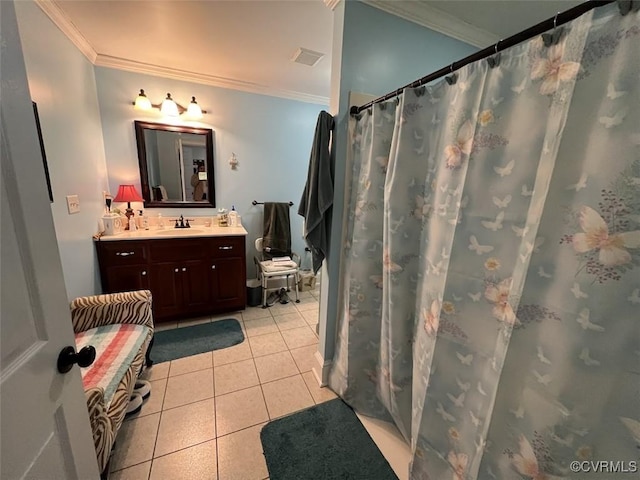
[317, 198]
[276, 237]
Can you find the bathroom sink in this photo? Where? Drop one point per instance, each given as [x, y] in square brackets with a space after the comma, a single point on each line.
[176, 232]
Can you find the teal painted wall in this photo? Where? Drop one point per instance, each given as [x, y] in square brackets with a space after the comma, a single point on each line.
[62, 83]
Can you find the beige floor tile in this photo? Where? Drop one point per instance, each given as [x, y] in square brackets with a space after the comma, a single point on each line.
[266, 344]
[240, 455]
[156, 371]
[305, 357]
[135, 441]
[281, 309]
[137, 472]
[159, 327]
[286, 396]
[235, 376]
[306, 294]
[188, 388]
[299, 337]
[185, 426]
[307, 304]
[191, 364]
[260, 326]
[288, 321]
[197, 462]
[311, 316]
[232, 354]
[194, 321]
[319, 394]
[225, 316]
[275, 366]
[239, 410]
[251, 313]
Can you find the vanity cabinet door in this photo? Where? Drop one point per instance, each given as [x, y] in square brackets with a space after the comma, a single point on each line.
[228, 281]
[127, 278]
[196, 290]
[166, 288]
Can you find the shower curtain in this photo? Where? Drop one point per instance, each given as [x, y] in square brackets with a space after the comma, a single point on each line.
[491, 273]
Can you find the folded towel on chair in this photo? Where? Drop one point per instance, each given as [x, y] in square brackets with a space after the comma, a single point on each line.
[270, 266]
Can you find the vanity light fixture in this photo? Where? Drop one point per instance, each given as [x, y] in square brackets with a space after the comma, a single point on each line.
[193, 110]
[169, 107]
[142, 102]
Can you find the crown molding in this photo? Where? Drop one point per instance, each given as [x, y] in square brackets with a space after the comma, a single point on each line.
[66, 26]
[62, 21]
[222, 82]
[430, 17]
[332, 4]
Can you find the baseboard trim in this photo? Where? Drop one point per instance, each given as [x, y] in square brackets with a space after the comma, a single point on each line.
[321, 369]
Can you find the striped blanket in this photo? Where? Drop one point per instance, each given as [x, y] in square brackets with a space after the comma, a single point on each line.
[116, 346]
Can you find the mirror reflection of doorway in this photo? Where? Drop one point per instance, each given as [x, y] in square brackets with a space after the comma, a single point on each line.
[193, 171]
[199, 180]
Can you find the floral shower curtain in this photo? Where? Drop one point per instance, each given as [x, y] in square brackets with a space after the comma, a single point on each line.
[492, 273]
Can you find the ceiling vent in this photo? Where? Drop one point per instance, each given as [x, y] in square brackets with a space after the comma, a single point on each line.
[306, 56]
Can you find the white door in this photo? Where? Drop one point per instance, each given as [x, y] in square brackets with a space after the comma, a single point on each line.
[45, 432]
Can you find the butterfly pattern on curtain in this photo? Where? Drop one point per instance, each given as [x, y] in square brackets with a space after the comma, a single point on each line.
[493, 269]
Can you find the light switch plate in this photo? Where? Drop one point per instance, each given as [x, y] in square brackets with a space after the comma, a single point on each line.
[73, 204]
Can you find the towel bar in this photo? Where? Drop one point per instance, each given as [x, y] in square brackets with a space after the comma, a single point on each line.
[262, 203]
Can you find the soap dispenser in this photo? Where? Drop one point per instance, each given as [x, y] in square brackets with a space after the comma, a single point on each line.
[233, 217]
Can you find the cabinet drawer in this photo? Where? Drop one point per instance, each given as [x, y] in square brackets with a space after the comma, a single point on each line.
[176, 250]
[123, 253]
[222, 247]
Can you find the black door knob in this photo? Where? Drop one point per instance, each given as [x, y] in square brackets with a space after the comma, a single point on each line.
[68, 357]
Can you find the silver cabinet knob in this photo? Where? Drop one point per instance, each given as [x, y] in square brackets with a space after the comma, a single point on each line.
[177, 270]
[213, 267]
[184, 269]
[144, 272]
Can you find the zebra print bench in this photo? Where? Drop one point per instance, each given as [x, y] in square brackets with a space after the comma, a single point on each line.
[120, 327]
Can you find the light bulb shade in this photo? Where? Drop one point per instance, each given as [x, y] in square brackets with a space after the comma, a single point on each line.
[142, 102]
[169, 107]
[127, 193]
[193, 110]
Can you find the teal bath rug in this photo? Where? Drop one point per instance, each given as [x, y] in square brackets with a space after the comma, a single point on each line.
[187, 341]
[324, 442]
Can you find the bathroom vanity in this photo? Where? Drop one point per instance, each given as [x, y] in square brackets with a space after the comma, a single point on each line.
[190, 272]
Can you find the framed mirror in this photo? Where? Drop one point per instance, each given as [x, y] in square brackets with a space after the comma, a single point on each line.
[176, 165]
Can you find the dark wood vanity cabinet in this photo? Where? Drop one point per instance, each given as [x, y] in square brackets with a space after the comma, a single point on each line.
[187, 276]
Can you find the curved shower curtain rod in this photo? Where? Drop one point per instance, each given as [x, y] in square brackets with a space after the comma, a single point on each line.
[553, 22]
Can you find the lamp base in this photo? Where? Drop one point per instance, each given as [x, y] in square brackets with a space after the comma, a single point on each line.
[128, 213]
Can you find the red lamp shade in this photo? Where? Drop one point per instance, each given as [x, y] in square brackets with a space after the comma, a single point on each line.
[128, 193]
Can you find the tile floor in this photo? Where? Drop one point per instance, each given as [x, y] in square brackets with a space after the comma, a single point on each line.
[205, 413]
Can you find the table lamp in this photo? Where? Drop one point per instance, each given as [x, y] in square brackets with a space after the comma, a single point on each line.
[128, 193]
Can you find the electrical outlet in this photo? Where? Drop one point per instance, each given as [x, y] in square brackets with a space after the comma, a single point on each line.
[73, 204]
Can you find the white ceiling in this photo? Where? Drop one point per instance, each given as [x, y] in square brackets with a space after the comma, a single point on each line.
[248, 44]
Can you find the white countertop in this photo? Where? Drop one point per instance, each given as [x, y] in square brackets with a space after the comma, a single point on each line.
[155, 233]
